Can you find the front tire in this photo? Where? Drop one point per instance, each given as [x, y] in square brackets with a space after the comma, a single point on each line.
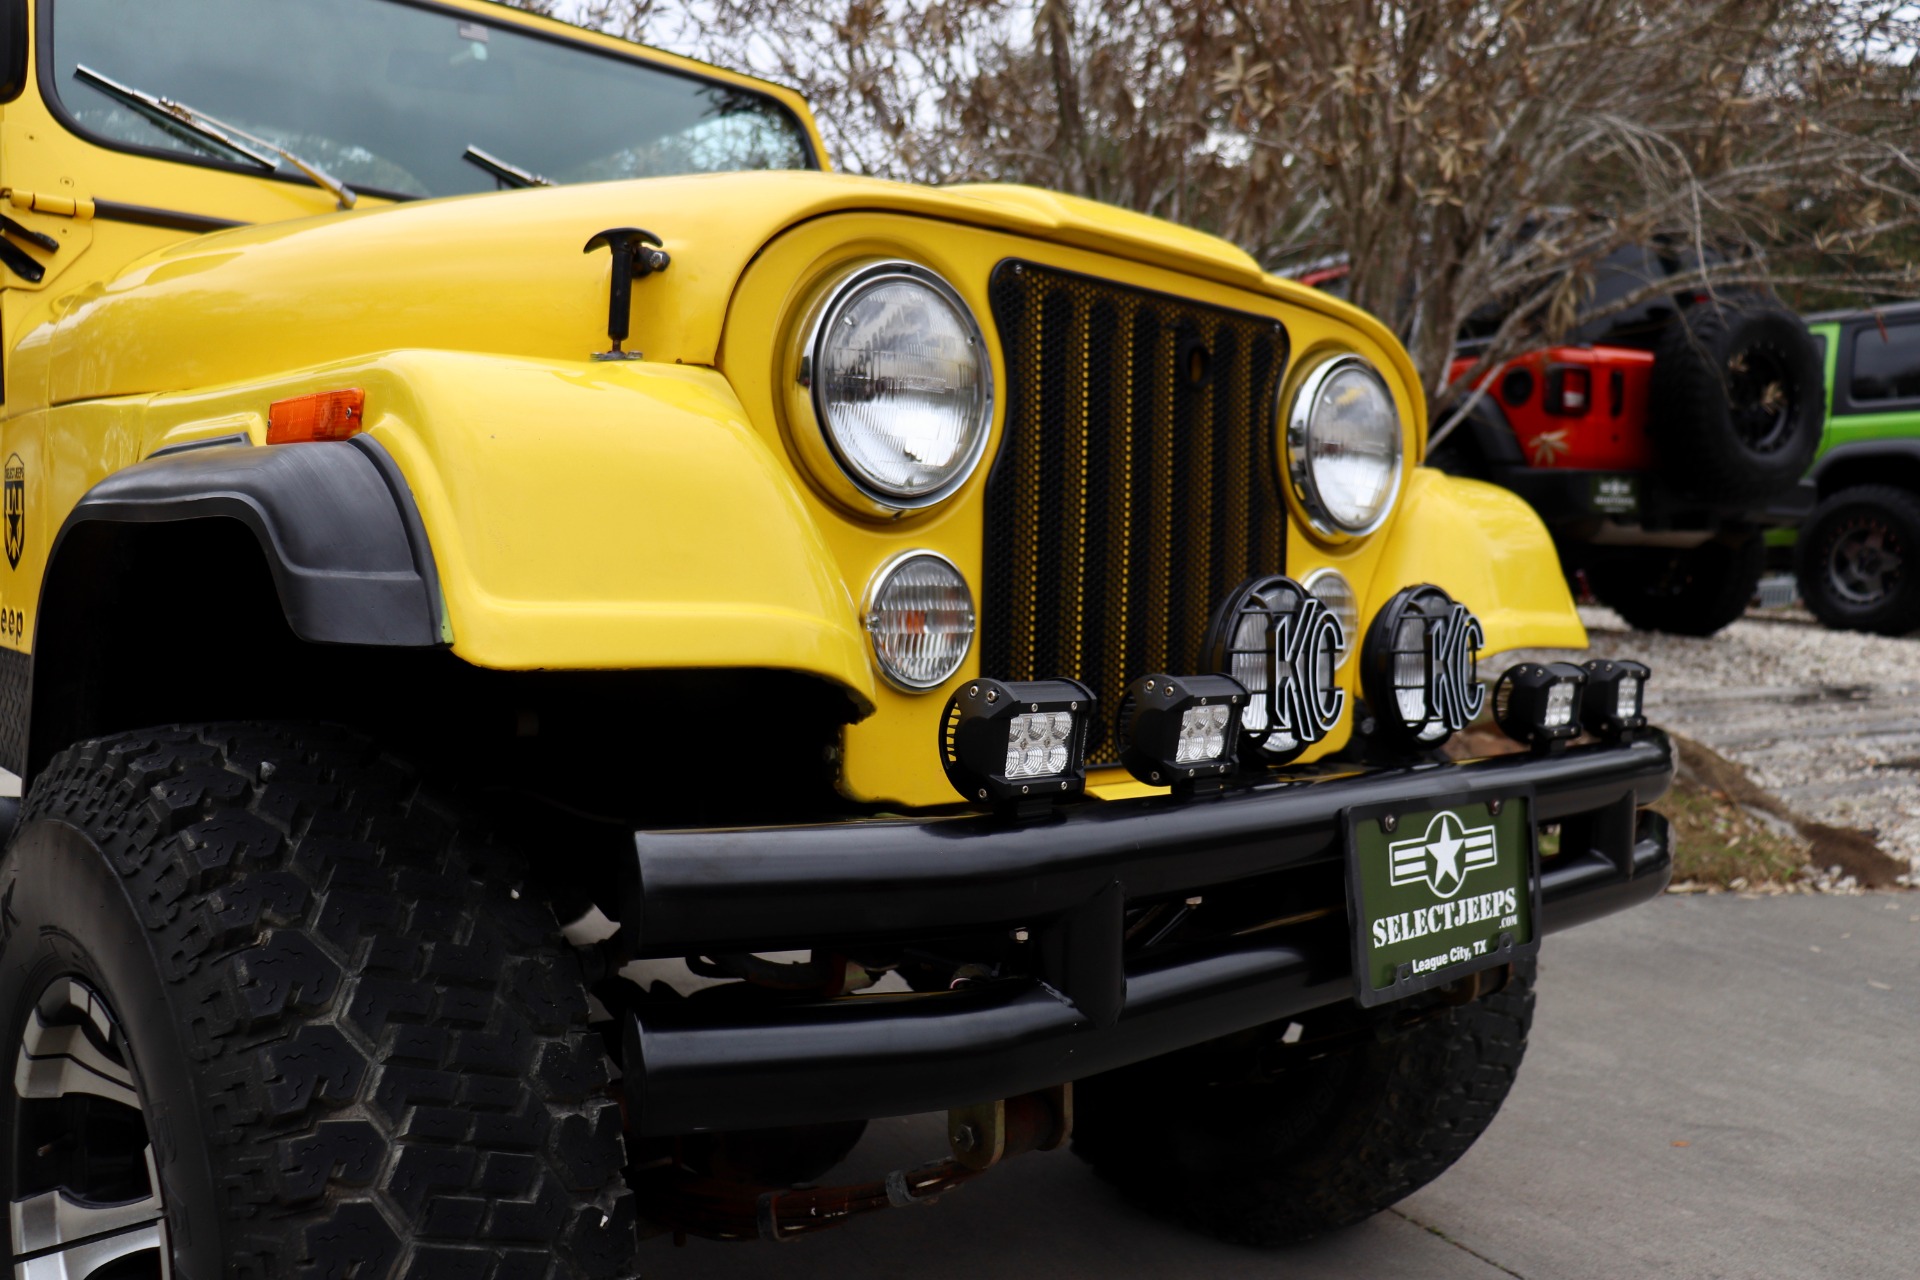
[1259, 1142]
[346, 1041]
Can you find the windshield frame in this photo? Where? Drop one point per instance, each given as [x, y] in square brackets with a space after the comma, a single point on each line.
[44, 74]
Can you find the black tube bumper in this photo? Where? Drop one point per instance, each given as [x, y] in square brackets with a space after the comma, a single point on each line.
[697, 1064]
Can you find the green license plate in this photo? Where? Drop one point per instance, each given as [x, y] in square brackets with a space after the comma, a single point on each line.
[1437, 893]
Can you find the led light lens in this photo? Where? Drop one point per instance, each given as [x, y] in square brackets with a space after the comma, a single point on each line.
[902, 385]
[1559, 705]
[920, 618]
[1037, 743]
[1343, 446]
[1627, 698]
[1203, 734]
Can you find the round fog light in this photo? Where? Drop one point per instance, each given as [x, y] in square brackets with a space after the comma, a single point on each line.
[919, 617]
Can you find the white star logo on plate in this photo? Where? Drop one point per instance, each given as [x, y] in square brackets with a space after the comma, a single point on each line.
[1443, 855]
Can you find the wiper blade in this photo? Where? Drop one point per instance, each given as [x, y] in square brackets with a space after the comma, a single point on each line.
[511, 174]
[194, 125]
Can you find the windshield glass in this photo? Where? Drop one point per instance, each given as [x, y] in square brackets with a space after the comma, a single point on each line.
[388, 96]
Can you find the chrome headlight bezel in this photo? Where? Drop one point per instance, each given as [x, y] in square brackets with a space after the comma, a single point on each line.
[1301, 480]
[812, 430]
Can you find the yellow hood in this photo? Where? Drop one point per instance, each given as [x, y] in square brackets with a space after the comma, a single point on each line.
[505, 273]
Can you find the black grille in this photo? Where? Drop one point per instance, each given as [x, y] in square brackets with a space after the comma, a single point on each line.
[1136, 485]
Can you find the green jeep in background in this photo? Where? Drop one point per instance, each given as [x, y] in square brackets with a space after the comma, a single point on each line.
[1858, 554]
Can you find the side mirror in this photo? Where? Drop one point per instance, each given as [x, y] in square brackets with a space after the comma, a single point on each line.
[13, 48]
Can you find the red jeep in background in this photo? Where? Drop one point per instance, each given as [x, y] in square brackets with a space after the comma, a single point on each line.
[1658, 444]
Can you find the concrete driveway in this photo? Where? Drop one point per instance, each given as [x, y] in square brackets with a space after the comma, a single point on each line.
[1716, 1088]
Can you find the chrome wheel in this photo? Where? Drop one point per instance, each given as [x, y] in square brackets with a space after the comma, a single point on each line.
[1864, 562]
[87, 1201]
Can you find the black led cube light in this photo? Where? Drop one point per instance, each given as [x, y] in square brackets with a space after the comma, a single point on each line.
[1181, 731]
[1015, 744]
[1539, 703]
[1615, 703]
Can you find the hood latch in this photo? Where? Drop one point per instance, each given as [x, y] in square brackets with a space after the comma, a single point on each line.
[636, 255]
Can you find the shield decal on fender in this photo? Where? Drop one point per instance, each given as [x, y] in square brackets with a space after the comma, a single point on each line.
[16, 509]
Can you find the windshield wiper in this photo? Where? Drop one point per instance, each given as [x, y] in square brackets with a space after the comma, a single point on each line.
[182, 120]
[511, 174]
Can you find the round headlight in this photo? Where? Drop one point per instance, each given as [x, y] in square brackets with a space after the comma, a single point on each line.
[1343, 447]
[901, 383]
[920, 617]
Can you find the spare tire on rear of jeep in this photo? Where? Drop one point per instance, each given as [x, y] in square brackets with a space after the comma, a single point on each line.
[1738, 399]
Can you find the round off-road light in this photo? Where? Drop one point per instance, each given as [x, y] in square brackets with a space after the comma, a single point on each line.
[1343, 447]
[1615, 703]
[1331, 588]
[1010, 744]
[901, 384]
[1418, 667]
[1539, 704]
[919, 617]
[1283, 646]
[1181, 731]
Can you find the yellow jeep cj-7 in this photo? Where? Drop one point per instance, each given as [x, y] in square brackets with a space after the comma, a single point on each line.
[967, 650]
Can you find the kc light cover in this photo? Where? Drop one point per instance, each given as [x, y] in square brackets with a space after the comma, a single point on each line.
[1419, 667]
[1283, 646]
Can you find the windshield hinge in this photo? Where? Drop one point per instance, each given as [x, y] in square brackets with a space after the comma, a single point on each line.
[76, 207]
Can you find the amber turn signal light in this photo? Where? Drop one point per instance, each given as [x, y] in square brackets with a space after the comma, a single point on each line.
[324, 415]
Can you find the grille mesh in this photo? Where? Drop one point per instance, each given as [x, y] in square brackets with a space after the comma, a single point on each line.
[1128, 497]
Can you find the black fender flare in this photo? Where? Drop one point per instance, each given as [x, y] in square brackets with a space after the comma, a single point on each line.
[1904, 449]
[336, 522]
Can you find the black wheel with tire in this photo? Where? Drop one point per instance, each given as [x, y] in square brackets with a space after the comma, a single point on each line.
[275, 1012]
[1738, 400]
[1692, 592]
[1260, 1142]
[1859, 560]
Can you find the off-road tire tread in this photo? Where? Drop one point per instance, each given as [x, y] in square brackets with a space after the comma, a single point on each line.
[1898, 615]
[396, 1074]
[1404, 1108]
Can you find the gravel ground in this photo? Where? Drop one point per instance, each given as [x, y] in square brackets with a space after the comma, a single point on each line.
[1827, 720]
